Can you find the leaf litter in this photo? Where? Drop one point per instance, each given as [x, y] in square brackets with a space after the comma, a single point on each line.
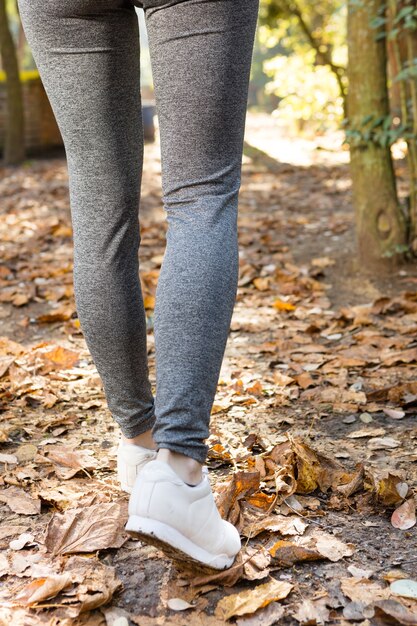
[304, 383]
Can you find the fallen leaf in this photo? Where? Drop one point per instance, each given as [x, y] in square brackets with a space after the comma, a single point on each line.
[286, 525]
[263, 617]
[312, 612]
[331, 547]
[241, 484]
[280, 305]
[384, 484]
[357, 610]
[398, 611]
[396, 414]
[178, 604]
[11, 459]
[96, 584]
[362, 590]
[366, 432]
[226, 578]
[252, 599]
[75, 460]
[4, 564]
[316, 470]
[88, 529]
[358, 572]
[406, 588]
[58, 358]
[287, 553]
[42, 589]
[256, 566]
[21, 541]
[404, 517]
[20, 502]
[382, 443]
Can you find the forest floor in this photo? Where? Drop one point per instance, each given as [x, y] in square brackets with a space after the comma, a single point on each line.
[313, 451]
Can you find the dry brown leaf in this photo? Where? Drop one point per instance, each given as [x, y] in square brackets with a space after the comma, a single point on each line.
[20, 502]
[330, 546]
[354, 485]
[58, 315]
[252, 599]
[42, 589]
[395, 609]
[256, 561]
[7, 346]
[304, 380]
[315, 544]
[97, 584]
[4, 564]
[218, 452]
[226, 578]
[287, 553]
[317, 470]
[282, 380]
[383, 443]
[285, 525]
[74, 460]
[262, 501]
[386, 485]
[312, 612]
[395, 414]
[363, 590]
[87, 529]
[264, 617]
[10, 459]
[70, 494]
[404, 517]
[57, 358]
[240, 485]
[366, 432]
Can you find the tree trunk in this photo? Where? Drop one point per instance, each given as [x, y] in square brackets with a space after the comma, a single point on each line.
[381, 230]
[14, 144]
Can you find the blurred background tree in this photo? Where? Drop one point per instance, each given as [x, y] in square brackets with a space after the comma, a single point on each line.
[14, 144]
[305, 60]
[318, 68]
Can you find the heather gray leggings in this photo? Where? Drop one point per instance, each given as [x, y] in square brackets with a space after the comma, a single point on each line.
[87, 52]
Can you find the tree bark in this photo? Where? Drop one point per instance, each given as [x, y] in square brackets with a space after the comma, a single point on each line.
[381, 229]
[14, 144]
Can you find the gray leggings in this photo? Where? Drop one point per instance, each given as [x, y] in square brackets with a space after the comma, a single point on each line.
[87, 53]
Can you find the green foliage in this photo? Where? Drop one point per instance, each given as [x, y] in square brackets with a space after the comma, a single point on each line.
[309, 94]
[306, 72]
[379, 130]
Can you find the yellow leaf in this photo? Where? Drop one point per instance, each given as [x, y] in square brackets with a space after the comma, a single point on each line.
[252, 599]
[149, 302]
[280, 305]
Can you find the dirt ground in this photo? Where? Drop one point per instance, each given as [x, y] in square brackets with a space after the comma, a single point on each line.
[318, 350]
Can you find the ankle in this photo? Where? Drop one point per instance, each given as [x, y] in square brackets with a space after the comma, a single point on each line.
[188, 469]
[145, 440]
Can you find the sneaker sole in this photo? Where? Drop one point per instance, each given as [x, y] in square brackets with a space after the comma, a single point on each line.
[175, 545]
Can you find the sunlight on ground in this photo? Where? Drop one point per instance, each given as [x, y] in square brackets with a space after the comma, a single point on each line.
[268, 133]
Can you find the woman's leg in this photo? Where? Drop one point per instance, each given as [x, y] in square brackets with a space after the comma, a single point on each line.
[87, 53]
[201, 54]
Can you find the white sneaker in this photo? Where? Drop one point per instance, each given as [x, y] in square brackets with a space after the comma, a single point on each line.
[131, 460]
[182, 520]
